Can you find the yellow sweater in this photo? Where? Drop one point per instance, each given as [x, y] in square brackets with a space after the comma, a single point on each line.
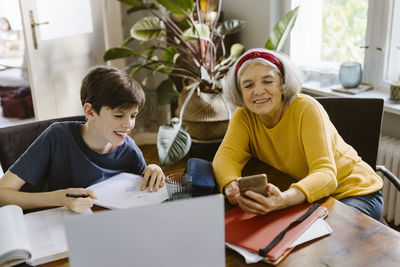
[304, 145]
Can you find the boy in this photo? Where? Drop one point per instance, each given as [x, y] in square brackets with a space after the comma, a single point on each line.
[69, 156]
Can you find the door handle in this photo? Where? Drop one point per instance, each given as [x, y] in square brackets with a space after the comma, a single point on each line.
[33, 28]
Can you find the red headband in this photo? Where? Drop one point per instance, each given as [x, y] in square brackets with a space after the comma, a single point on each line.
[270, 57]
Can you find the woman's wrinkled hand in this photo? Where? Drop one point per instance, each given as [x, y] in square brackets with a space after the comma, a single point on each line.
[231, 191]
[259, 204]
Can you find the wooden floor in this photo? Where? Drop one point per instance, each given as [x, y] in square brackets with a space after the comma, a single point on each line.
[151, 156]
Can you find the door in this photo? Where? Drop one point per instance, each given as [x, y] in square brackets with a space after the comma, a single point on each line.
[63, 40]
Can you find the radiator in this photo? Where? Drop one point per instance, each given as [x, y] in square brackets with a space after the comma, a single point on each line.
[389, 155]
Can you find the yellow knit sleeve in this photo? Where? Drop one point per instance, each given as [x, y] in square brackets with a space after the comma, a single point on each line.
[234, 151]
[318, 137]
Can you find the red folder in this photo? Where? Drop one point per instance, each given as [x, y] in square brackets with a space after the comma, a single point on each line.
[255, 232]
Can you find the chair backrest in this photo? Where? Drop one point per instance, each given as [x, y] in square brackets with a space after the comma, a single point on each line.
[358, 121]
[14, 140]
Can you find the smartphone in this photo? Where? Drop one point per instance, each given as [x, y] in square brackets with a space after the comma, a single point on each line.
[256, 183]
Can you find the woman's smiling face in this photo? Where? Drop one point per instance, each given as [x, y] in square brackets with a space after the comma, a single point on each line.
[261, 90]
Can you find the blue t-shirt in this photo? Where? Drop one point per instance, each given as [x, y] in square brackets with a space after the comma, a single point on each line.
[59, 158]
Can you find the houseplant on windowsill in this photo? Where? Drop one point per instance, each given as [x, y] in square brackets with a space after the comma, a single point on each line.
[191, 39]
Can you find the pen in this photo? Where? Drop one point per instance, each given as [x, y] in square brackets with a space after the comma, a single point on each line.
[75, 195]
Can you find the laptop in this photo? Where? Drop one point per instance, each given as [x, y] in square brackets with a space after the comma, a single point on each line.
[187, 232]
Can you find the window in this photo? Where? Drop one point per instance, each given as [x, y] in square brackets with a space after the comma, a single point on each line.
[328, 32]
[393, 68]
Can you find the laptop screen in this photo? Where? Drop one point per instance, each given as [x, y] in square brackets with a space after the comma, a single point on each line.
[185, 233]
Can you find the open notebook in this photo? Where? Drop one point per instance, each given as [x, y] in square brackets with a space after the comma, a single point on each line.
[183, 233]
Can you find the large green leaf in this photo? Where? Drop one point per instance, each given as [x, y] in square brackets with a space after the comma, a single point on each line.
[229, 27]
[133, 3]
[147, 28]
[282, 30]
[126, 41]
[200, 31]
[136, 68]
[173, 142]
[134, 9]
[178, 6]
[167, 92]
[136, 6]
[171, 54]
[118, 52]
[204, 75]
[184, 25]
[236, 50]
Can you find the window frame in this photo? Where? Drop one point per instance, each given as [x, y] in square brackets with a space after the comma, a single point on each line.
[378, 40]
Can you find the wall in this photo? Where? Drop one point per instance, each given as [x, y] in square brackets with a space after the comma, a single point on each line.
[153, 115]
[260, 17]
[391, 125]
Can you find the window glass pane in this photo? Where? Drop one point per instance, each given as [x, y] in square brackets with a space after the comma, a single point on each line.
[11, 35]
[65, 18]
[10, 10]
[393, 69]
[328, 32]
[344, 24]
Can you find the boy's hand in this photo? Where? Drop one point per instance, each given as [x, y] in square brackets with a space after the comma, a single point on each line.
[153, 177]
[78, 200]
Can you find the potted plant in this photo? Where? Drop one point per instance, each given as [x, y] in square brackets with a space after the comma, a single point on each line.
[186, 40]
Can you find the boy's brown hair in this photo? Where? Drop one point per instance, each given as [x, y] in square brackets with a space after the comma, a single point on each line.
[106, 86]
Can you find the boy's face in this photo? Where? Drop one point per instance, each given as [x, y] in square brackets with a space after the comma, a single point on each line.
[115, 124]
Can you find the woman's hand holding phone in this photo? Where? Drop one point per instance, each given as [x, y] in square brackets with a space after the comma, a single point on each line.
[256, 183]
[231, 190]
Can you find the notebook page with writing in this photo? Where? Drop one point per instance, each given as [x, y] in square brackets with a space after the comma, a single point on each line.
[122, 191]
[35, 238]
[47, 235]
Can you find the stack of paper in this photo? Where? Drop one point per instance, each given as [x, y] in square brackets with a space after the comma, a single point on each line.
[248, 233]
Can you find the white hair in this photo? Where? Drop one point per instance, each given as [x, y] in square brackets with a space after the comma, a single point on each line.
[291, 80]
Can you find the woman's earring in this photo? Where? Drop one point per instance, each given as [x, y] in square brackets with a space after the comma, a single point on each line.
[283, 97]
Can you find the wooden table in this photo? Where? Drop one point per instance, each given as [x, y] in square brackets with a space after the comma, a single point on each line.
[356, 240]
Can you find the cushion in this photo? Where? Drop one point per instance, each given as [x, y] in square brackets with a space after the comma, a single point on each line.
[203, 180]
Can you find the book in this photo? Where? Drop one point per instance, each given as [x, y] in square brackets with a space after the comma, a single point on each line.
[35, 238]
[122, 191]
[255, 233]
[353, 91]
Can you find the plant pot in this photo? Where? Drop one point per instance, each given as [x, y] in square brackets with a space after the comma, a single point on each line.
[206, 115]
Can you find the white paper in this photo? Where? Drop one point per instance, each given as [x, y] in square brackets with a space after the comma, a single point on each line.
[40, 234]
[47, 235]
[13, 233]
[319, 228]
[122, 191]
[249, 257]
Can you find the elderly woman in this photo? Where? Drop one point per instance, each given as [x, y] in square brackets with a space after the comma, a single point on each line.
[291, 132]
